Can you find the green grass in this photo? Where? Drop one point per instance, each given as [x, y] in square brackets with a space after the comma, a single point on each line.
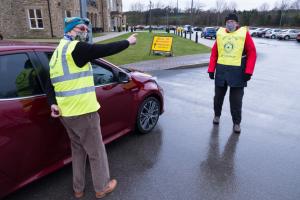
[98, 34]
[140, 51]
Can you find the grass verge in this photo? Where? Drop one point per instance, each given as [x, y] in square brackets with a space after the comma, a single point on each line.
[140, 51]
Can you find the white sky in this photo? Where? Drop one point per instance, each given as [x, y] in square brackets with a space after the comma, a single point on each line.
[182, 4]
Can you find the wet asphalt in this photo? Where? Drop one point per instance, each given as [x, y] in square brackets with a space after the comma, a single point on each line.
[186, 157]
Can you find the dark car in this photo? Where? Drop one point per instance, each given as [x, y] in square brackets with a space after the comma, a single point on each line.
[209, 32]
[298, 38]
[32, 143]
[196, 28]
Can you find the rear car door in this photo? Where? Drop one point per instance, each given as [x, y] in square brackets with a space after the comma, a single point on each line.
[29, 140]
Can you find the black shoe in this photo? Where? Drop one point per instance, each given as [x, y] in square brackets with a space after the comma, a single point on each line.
[236, 128]
[216, 120]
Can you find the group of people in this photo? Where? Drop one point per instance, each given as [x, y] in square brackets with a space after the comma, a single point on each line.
[72, 97]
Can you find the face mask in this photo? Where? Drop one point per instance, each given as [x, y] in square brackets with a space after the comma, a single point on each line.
[231, 27]
[81, 36]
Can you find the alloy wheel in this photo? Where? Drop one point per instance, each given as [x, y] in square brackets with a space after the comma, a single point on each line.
[148, 115]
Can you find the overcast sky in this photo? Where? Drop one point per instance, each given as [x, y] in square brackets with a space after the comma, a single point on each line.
[182, 4]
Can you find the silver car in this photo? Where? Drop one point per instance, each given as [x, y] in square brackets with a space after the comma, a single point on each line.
[288, 34]
[272, 33]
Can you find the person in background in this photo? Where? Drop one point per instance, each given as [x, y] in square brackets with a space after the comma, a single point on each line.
[232, 62]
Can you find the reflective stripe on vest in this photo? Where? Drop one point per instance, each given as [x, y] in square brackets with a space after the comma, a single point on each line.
[74, 86]
[75, 92]
[231, 46]
[67, 76]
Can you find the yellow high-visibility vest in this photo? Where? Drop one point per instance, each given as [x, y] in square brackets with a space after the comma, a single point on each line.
[74, 86]
[231, 46]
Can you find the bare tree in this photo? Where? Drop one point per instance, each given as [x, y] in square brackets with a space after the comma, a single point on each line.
[296, 4]
[231, 6]
[159, 5]
[221, 5]
[264, 7]
[282, 5]
[137, 6]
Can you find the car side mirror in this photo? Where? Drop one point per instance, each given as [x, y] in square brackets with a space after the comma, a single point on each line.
[123, 77]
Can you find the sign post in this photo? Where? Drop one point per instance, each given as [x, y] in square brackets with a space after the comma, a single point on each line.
[162, 44]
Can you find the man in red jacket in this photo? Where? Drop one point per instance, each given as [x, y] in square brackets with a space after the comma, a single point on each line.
[232, 62]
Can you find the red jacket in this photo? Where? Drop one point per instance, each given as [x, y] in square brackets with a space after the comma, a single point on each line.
[249, 49]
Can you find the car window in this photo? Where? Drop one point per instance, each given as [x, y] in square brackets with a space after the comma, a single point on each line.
[102, 75]
[18, 77]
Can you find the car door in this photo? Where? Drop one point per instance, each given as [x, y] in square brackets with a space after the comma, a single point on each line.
[29, 140]
[115, 98]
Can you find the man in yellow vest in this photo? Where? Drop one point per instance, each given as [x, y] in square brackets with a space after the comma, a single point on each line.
[232, 62]
[71, 94]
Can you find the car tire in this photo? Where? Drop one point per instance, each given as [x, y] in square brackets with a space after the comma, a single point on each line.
[148, 115]
[286, 37]
[298, 40]
[273, 37]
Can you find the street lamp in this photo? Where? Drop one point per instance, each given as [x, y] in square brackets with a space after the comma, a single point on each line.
[192, 8]
[150, 28]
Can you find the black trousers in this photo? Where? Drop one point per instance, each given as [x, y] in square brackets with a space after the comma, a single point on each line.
[235, 98]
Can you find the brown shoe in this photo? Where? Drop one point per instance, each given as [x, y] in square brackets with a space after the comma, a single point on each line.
[78, 194]
[111, 186]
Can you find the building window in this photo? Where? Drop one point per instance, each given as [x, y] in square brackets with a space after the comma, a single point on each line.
[68, 13]
[35, 19]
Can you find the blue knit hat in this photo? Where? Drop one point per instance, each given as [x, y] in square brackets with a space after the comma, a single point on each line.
[71, 22]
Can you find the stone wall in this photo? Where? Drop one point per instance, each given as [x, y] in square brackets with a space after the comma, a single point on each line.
[14, 20]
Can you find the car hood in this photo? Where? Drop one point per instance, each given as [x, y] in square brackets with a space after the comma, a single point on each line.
[141, 76]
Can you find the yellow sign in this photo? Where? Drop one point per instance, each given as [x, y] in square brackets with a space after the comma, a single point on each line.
[162, 43]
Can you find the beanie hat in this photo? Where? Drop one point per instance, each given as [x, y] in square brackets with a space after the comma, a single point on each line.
[71, 22]
[231, 16]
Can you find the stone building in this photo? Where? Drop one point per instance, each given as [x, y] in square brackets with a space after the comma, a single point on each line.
[44, 18]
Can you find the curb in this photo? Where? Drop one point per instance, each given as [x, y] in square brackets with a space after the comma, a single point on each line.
[190, 66]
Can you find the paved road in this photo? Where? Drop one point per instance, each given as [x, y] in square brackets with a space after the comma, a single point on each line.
[186, 157]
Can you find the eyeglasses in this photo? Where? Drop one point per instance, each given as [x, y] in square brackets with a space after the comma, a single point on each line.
[83, 28]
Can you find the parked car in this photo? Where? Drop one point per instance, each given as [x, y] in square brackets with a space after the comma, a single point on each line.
[288, 34]
[272, 33]
[298, 38]
[33, 144]
[209, 32]
[262, 33]
[252, 30]
[188, 28]
[255, 32]
[196, 28]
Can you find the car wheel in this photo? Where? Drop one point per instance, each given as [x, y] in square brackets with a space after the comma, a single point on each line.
[148, 115]
[286, 37]
[273, 37]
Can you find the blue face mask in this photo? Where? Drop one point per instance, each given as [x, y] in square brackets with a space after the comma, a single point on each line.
[231, 26]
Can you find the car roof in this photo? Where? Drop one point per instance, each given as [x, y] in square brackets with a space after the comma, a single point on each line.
[8, 45]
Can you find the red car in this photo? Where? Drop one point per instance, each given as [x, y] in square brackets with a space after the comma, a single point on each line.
[32, 144]
[298, 38]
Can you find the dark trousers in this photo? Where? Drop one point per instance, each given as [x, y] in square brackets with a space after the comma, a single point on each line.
[235, 98]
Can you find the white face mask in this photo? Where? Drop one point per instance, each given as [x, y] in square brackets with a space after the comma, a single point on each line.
[231, 26]
[81, 36]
